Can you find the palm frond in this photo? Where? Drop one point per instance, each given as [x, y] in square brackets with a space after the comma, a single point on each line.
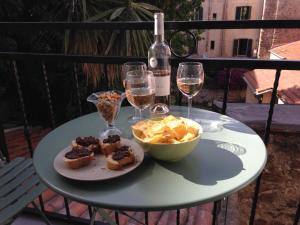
[84, 11]
[117, 13]
[111, 42]
[100, 16]
[149, 7]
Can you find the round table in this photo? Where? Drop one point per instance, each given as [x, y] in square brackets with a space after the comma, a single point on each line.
[225, 160]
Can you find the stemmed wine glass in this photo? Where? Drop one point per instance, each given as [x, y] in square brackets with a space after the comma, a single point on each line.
[190, 79]
[140, 89]
[127, 67]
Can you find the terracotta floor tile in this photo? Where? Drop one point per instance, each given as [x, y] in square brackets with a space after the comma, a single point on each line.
[154, 217]
[77, 209]
[164, 218]
[192, 216]
[56, 204]
[183, 216]
[203, 217]
[123, 220]
[172, 217]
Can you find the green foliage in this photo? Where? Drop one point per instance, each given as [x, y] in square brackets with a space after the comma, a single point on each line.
[128, 43]
[178, 9]
[182, 43]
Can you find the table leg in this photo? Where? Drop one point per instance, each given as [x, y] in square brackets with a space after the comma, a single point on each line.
[146, 218]
[117, 217]
[178, 216]
[226, 208]
[93, 216]
[215, 211]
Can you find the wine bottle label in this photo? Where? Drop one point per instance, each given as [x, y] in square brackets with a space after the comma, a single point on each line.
[162, 85]
[159, 63]
[153, 62]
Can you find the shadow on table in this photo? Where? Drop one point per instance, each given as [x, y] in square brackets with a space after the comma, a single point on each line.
[208, 164]
[214, 122]
[235, 125]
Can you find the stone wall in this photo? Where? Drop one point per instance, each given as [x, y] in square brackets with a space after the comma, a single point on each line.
[270, 38]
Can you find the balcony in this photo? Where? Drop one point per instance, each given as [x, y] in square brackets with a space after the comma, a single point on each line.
[273, 197]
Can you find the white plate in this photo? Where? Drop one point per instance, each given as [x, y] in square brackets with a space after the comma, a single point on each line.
[97, 170]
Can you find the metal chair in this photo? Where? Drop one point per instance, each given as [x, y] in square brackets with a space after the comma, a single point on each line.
[19, 186]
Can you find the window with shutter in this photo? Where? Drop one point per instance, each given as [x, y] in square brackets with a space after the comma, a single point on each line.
[238, 13]
[243, 13]
[199, 14]
[242, 47]
[249, 48]
[235, 47]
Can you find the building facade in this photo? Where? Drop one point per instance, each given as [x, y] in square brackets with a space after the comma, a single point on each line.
[230, 43]
[260, 81]
[271, 38]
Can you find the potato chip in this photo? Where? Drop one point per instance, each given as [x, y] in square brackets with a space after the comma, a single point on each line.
[141, 127]
[169, 118]
[178, 127]
[170, 130]
[155, 139]
[189, 136]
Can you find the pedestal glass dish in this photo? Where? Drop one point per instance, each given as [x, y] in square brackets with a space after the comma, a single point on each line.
[108, 104]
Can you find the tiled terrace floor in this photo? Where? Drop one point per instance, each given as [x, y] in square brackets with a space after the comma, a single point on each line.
[17, 146]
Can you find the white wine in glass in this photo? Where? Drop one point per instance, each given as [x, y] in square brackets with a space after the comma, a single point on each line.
[127, 67]
[190, 86]
[140, 98]
[190, 79]
[140, 90]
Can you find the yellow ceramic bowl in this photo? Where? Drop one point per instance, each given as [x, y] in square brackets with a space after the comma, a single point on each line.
[170, 152]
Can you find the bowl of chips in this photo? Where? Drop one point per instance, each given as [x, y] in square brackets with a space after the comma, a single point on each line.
[169, 138]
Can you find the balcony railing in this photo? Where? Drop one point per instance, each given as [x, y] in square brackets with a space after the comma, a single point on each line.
[216, 63]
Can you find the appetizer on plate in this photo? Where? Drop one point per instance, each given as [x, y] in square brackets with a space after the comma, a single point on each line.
[92, 143]
[121, 157]
[115, 155]
[78, 157]
[110, 144]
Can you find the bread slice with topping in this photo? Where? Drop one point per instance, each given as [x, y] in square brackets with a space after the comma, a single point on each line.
[121, 157]
[92, 143]
[110, 144]
[78, 157]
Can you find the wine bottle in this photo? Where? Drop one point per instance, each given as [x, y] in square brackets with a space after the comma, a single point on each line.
[159, 55]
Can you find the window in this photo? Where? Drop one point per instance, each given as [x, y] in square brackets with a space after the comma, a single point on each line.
[212, 45]
[214, 16]
[242, 47]
[243, 13]
[199, 14]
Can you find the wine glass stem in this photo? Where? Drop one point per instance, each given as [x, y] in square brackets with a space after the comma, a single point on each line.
[135, 114]
[141, 114]
[189, 106]
[111, 125]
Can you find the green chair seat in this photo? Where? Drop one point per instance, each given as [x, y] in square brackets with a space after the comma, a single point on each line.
[19, 186]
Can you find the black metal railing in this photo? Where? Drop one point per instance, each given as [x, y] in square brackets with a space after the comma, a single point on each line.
[216, 63]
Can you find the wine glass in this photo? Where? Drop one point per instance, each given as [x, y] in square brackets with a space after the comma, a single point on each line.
[190, 79]
[132, 66]
[140, 89]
